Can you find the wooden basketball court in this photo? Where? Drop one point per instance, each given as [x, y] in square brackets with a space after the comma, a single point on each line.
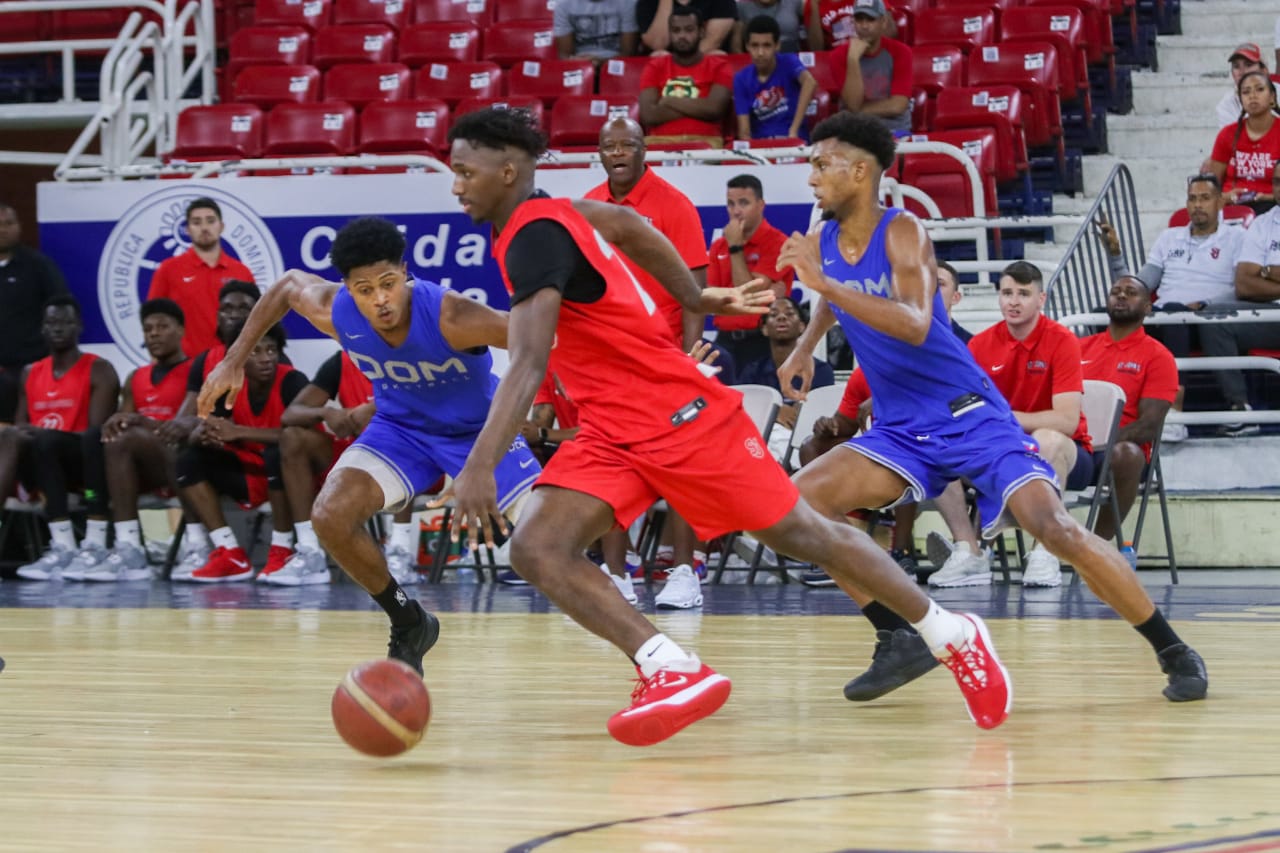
[145, 727]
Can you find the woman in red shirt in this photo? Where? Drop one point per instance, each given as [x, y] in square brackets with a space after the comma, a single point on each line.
[1245, 153]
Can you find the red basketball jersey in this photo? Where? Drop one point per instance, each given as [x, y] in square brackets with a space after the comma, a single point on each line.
[354, 388]
[60, 402]
[615, 358]
[212, 356]
[250, 452]
[160, 400]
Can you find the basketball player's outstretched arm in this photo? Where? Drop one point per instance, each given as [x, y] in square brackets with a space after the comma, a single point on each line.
[306, 293]
[908, 311]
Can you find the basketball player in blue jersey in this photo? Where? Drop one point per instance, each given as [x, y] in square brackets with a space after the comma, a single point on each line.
[424, 349]
[938, 417]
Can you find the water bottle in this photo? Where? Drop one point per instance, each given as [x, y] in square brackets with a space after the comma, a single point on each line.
[1130, 555]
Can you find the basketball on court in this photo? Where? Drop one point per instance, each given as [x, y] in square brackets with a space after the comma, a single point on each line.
[381, 708]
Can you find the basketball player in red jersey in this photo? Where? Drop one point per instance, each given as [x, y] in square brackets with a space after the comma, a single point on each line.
[63, 395]
[653, 425]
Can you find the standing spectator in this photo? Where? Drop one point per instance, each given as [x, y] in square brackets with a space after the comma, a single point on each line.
[653, 19]
[1245, 58]
[748, 249]
[28, 280]
[685, 95]
[1245, 153]
[595, 29]
[876, 69]
[829, 23]
[772, 94]
[194, 278]
[785, 12]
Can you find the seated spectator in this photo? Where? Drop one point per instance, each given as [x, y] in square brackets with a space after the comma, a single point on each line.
[28, 280]
[747, 249]
[771, 95]
[1245, 58]
[653, 20]
[828, 23]
[786, 13]
[595, 29]
[228, 454]
[1245, 152]
[1145, 369]
[876, 69]
[1035, 363]
[63, 395]
[128, 452]
[685, 95]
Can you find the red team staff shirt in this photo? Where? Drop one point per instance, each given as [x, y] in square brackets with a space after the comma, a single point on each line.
[60, 402]
[670, 211]
[194, 285]
[686, 81]
[761, 254]
[1029, 372]
[1138, 363]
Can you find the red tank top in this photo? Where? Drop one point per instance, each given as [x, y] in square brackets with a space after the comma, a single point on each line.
[250, 452]
[602, 348]
[212, 356]
[160, 401]
[60, 402]
[354, 388]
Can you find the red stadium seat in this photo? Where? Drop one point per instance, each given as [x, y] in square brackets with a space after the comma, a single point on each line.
[23, 26]
[218, 132]
[523, 10]
[1099, 40]
[552, 79]
[277, 45]
[353, 43]
[404, 127]
[620, 76]
[478, 12]
[944, 178]
[921, 112]
[393, 13]
[454, 81]
[903, 19]
[85, 23]
[1061, 26]
[440, 41]
[1033, 68]
[302, 129]
[1231, 213]
[533, 105]
[823, 67]
[577, 119]
[312, 14]
[965, 28]
[509, 42]
[935, 66]
[362, 83]
[822, 105]
[997, 107]
[268, 85]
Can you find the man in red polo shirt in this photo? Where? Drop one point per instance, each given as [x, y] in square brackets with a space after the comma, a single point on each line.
[1127, 356]
[685, 94]
[747, 250]
[194, 278]
[876, 69]
[1035, 362]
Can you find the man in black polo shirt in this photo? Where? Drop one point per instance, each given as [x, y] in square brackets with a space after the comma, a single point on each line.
[27, 281]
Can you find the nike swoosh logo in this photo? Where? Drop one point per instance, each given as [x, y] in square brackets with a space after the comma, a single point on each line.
[188, 278]
[676, 681]
[351, 337]
[828, 261]
[527, 463]
[51, 393]
[996, 368]
[1087, 361]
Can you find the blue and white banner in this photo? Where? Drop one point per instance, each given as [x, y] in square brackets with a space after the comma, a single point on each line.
[108, 238]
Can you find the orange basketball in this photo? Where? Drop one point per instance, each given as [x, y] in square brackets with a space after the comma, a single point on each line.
[381, 708]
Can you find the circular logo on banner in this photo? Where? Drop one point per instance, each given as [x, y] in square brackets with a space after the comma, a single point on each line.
[153, 230]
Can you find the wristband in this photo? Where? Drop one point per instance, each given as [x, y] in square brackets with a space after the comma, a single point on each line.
[735, 250]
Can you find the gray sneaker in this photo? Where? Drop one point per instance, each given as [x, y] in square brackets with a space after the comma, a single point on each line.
[963, 568]
[190, 559]
[88, 558]
[682, 591]
[125, 562]
[403, 567]
[307, 566]
[49, 567]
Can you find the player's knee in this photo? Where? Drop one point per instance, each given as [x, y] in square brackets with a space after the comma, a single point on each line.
[293, 439]
[332, 520]
[1127, 458]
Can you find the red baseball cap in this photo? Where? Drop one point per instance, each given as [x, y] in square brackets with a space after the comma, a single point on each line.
[1248, 50]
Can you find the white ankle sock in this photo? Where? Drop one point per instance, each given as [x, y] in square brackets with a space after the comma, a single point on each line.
[941, 628]
[282, 539]
[62, 534]
[196, 536]
[402, 536]
[95, 533]
[661, 652]
[223, 538]
[129, 531]
[306, 535]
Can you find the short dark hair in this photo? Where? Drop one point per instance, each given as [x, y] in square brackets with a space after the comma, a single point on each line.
[161, 305]
[689, 11]
[763, 24]
[1205, 178]
[943, 265]
[63, 300]
[860, 131]
[276, 333]
[365, 241]
[747, 182]
[499, 128]
[1023, 272]
[236, 285]
[203, 203]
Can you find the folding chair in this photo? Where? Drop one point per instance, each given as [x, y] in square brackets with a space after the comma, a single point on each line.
[819, 403]
[1103, 403]
[1154, 481]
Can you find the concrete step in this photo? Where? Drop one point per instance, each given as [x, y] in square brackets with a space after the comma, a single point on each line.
[1210, 51]
[1183, 140]
[1238, 20]
[1181, 93]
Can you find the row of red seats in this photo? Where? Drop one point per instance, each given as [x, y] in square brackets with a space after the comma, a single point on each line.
[395, 13]
[71, 24]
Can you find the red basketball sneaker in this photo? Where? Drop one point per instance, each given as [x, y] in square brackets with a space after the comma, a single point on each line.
[277, 556]
[666, 702]
[983, 680]
[224, 564]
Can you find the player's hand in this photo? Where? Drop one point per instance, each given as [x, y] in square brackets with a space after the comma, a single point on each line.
[475, 504]
[733, 232]
[223, 380]
[177, 430]
[361, 415]
[800, 364]
[119, 423]
[754, 297]
[220, 430]
[864, 415]
[200, 436]
[801, 254]
[826, 428]
[787, 416]
[339, 422]
[1107, 233]
[705, 355]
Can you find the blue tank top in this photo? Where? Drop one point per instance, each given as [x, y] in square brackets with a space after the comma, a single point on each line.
[913, 387]
[424, 384]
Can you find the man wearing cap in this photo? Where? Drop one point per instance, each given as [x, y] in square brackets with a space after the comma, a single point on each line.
[1246, 57]
[875, 68]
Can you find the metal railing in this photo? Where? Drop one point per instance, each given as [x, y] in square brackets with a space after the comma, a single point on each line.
[1083, 278]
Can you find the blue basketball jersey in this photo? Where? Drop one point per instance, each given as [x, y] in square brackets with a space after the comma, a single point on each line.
[423, 385]
[913, 387]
